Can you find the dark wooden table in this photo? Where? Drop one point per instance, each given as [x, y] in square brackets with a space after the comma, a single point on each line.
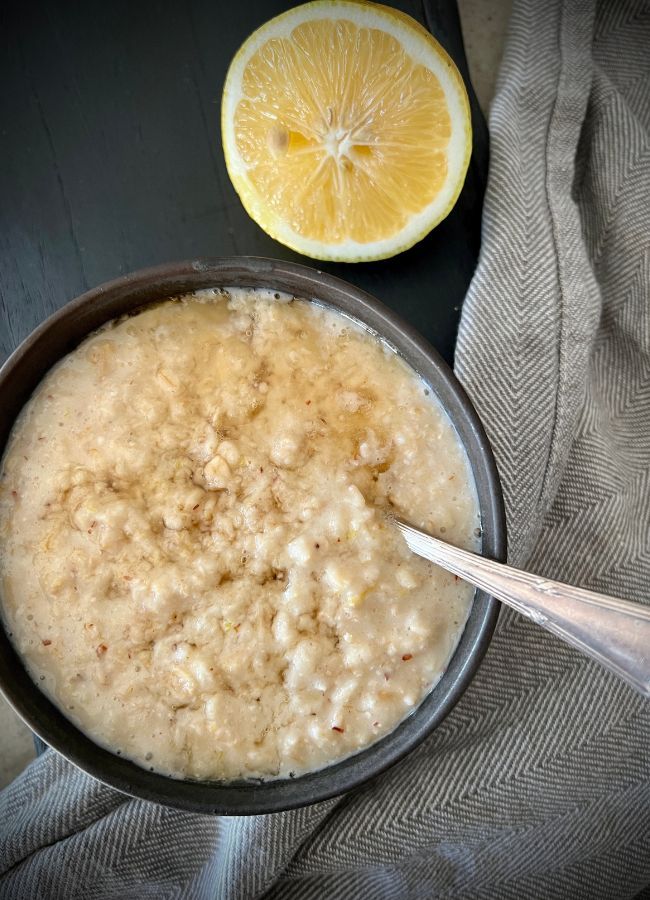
[111, 160]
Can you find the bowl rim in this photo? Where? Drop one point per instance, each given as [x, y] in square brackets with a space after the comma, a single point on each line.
[64, 330]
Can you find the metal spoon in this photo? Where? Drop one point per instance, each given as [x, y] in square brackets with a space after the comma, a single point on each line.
[614, 632]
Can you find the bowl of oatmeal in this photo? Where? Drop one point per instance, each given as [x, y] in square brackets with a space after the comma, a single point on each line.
[204, 602]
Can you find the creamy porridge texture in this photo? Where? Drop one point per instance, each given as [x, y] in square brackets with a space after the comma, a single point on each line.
[196, 561]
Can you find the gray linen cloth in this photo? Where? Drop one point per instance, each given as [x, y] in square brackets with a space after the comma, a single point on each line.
[538, 784]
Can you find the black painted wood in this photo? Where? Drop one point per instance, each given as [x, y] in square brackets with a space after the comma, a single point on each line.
[110, 158]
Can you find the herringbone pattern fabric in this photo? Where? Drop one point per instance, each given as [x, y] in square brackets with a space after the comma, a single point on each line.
[538, 784]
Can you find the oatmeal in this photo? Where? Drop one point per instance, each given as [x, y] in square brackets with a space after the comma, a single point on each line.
[197, 565]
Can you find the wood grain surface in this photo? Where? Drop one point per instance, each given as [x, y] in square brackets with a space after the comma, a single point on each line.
[111, 160]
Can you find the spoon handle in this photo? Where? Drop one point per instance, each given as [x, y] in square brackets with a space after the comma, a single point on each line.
[614, 632]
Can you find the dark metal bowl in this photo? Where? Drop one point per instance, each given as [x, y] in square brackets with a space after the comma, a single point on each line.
[60, 334]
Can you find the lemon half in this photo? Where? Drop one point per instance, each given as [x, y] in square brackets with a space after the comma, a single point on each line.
[346, 130]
